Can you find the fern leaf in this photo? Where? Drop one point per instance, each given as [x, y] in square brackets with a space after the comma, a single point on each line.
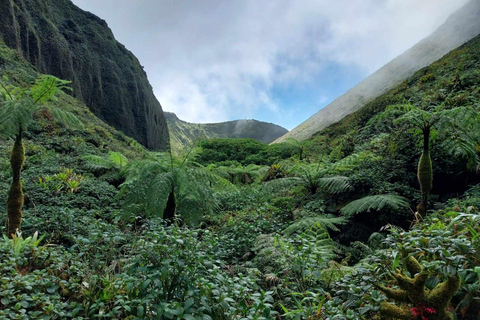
[46, 87]
[352, 161]
[66, 118]
[335, 184]
[117, 159]
[326, 222]
[95, 162]
[14, 114]
[377, 202]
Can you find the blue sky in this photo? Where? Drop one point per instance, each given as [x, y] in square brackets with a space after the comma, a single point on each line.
[278, 61]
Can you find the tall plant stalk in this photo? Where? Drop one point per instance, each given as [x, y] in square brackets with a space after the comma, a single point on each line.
[15, 194]
[425, 172]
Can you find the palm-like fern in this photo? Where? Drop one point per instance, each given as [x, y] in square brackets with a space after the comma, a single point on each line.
[299, 145]
[16, 112]
[376, 202]
[159, 186]
[455, 123]
[239, 173]
[113, 160]
[315, 179]
[352, 161]
[311, 220]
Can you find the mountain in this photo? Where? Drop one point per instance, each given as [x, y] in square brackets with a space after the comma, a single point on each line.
[59, 38]
[183, 133]
[460, 27]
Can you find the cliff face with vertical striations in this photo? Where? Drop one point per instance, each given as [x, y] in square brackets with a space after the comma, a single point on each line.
[459, 28]
[59, 38]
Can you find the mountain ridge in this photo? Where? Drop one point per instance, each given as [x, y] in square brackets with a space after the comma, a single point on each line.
[183, 133]
[460, 27]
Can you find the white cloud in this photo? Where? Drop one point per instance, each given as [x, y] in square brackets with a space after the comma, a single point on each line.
[216, 60]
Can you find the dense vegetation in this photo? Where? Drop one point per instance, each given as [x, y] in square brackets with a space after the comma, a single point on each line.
[236, 229]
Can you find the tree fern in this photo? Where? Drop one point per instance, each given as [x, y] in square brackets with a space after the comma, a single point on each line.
[117, 159]
[96, 163]
[19, 105]
[279, 186]
[65, 117]
[300, 146]
[455, 124]
[114, 160]
[16, 112]
[334, 184]
[327, 222]
[376, 202]
[149, 184]
[315, 179]
[352, 161]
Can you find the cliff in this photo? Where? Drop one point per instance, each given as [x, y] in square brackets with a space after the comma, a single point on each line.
[59, 38]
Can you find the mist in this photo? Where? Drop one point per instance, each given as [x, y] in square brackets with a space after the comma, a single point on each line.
[276, 61]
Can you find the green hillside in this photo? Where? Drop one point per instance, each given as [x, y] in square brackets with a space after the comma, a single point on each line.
[460, 27]
[452, 80]
[184, 134]
[329, 228]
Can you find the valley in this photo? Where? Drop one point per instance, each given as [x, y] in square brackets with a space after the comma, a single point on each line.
[370, 212]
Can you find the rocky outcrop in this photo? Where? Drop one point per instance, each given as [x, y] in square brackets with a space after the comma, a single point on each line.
[183, 133]
[459, 28]
[59, 38]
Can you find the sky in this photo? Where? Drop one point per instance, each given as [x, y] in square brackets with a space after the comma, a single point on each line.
[277, 61]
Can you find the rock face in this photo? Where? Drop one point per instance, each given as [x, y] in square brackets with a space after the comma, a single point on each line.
[59, 38]
[459, 28]
[183, 133]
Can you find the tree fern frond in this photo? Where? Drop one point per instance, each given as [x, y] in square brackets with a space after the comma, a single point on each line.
[362, 247]
[375, 240]
[46, 87]
[326, 222]
[14, 114]
[352, 161]
[95, 162]
[67, 118]
[377, 202]
[461, 147]
[149, 183]
[335, 184]
[117, 159]
[279, 185]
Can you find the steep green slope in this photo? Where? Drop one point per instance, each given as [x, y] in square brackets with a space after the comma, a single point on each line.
[460, 27]
[455, 78]
[183, 133]
[59, 38]
[49, 145]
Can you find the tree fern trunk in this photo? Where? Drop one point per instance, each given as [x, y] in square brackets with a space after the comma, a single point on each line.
[15, 194]
[169, 212]
[425, 173]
